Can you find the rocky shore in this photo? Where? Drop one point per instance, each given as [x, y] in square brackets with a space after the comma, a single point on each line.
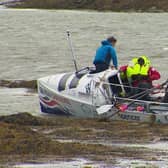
[26, 138]
[31, 84]
[106, 5]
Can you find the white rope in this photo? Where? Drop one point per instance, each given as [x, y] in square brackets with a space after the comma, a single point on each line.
[142, 101]
[132, 87]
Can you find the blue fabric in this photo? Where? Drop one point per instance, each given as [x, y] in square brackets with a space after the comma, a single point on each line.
[105, 54]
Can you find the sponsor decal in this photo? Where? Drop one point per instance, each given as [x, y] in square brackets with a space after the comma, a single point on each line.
[88, 88]
[48, 102]
[66, 110]
[53, 97]
[61, 99]
[85, 108]
[129, 117]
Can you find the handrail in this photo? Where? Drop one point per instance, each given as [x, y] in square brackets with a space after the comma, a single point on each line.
[142, 101]
[132, 87]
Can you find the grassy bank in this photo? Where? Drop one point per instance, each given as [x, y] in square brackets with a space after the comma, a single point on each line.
[110, 5]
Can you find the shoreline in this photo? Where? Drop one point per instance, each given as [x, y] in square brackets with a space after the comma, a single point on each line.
[30, 139]
[151, 6]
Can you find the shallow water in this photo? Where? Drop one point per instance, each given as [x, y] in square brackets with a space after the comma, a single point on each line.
[161, 162]
[34, 44]
[17, 100]
[76, 163]
[125, 163]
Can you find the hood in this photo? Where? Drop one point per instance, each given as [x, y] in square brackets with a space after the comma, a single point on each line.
[105, 42]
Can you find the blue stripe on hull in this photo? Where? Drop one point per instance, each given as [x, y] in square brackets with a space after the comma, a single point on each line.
[55, 110]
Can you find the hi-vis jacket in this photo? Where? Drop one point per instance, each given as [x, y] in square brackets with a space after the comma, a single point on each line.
[136, 69]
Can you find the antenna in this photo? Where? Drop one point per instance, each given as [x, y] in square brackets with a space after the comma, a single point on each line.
[71, 48]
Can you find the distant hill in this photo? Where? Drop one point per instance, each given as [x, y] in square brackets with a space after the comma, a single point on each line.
[102, 5]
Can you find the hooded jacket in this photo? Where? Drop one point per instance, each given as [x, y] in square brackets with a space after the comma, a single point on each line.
[105, 54]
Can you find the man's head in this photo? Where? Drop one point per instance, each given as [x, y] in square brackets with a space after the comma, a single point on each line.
[112, 40]
[141, 61]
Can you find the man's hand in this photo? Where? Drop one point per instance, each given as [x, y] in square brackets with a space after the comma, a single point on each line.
[113, 67]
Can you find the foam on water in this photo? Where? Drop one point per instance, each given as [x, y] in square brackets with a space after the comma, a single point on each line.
[125, 163]
[165, 49]
[77, 163]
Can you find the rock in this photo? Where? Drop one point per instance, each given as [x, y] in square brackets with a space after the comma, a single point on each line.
[32, 84]
[22, 119]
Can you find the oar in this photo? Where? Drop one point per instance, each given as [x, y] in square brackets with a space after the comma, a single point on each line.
[149, 90]
[146, 92]
[106, 108]
[164, 83]
[125, 107]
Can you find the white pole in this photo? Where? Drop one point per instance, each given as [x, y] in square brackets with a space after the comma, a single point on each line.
[71, 48]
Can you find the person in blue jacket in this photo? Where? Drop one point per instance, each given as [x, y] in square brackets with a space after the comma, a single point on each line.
[105, 54]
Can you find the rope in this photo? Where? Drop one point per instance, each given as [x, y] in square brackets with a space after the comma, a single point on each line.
[141, 94]
[132, 87]
[141, 101]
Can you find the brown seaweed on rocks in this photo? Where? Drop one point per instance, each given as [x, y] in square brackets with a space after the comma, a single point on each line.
[32, 84]
[24, 137]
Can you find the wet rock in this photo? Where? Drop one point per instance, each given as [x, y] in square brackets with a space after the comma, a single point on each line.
[22, 119]
[18, 140]
[23, 137]
[32, 84]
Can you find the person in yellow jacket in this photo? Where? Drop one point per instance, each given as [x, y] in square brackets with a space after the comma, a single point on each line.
[138, 69]
[136, 74]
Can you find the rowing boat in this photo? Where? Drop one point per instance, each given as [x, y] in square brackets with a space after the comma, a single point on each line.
[98, 95]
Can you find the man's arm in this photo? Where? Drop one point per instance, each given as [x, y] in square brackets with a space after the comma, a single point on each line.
[114, 57]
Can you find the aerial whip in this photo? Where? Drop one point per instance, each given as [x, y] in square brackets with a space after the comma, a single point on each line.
[71, 48]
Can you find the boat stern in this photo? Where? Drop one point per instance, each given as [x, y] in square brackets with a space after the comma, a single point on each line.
[47, 93]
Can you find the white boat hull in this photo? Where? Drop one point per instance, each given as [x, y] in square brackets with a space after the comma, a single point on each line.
[63, 105]
[78, 102]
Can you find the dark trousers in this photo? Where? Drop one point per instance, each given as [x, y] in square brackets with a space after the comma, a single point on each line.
[101, 67]
[144, 85]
